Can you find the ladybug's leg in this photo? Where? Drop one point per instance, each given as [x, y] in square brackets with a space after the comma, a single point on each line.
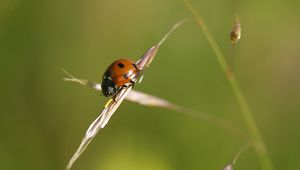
[114, 99]
[118, 90]
[132, 83]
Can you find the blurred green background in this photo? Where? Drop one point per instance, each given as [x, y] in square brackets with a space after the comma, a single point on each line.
[43, 118]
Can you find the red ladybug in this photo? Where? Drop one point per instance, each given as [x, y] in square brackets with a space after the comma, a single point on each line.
[121, 73]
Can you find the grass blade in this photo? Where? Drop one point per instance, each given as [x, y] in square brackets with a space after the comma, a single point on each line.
[256, 137]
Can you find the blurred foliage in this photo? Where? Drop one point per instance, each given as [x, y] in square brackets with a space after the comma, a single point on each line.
[44, 118]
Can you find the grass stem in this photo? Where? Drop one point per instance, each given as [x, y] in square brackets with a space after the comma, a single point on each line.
[256, 137]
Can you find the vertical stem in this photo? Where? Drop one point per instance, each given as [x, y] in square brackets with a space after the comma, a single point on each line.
[256, 137]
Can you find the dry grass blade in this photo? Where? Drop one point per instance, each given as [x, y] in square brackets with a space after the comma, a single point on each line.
[147, 58]
[147, 99]
[240, 152]
[154, 101]
[83, 82]
[237, 156]
[99, 123]
[113, 104]
[228, 167]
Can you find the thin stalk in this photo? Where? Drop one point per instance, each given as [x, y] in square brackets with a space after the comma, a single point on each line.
[256, 137]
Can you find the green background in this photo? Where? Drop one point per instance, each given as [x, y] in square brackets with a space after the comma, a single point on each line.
[43, 118]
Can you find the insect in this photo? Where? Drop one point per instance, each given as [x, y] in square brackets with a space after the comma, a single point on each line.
[121, 73]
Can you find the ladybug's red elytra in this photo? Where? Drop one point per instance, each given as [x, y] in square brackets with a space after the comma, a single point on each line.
[121, 73]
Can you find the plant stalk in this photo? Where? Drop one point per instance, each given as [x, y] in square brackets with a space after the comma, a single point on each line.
[256, 137]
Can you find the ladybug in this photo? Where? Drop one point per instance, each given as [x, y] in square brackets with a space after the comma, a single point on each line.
[121, 73]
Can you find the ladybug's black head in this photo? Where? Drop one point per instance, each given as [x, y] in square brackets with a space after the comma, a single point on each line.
[108, 87]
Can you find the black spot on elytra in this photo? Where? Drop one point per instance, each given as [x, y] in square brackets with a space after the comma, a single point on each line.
[121, 65]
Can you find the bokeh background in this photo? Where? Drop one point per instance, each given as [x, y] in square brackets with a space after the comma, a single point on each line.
[43, 118]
